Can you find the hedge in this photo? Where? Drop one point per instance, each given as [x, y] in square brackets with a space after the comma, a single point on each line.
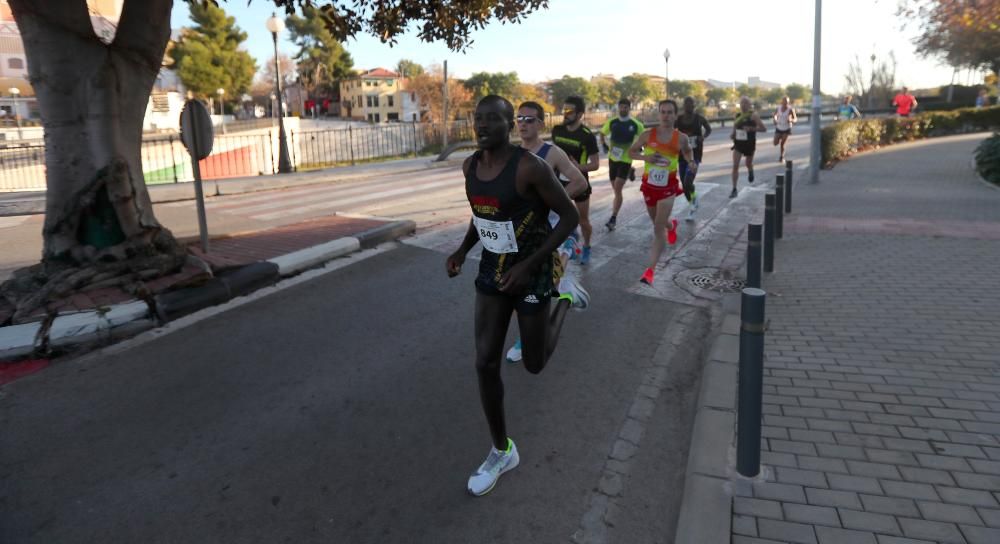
[845, 138]
[988, 159]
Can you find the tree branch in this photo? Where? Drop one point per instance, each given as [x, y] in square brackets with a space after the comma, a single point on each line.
[144, 29]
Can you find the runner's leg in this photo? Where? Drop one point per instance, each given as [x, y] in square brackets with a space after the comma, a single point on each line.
[585, 227]
[660, 214]
[736, 167]
[492, 316]
[539, 335]
[617, 184]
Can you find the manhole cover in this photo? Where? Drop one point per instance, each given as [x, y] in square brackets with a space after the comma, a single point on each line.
[712, 282]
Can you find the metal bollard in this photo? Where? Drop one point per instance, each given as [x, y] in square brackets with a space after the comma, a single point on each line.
[751, 382]
[753, 255]
[788, 186]
[769, 232]
[779, 207]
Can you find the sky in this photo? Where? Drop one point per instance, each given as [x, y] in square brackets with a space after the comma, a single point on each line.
[728, 40]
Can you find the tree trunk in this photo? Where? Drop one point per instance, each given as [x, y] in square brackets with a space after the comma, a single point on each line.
[99, 223]
[92, 98]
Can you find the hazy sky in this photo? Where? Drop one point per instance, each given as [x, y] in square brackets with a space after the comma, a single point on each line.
[718, 39]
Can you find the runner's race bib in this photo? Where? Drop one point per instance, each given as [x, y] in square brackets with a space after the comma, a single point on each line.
[693, 140]
[658, 177]
[741, 135]
[617, 153]
[496, 236]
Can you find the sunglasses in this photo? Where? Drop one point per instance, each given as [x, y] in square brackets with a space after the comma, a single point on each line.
[569, 111]
[526, 119]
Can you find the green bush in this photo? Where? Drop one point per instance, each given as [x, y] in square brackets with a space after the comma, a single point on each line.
[988, 159]
[845, 138]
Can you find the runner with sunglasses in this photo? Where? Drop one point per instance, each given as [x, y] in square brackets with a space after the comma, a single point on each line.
[529, 119]
[581, 145]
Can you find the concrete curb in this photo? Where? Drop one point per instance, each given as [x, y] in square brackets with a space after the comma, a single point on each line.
[105, 325]
[706, 505]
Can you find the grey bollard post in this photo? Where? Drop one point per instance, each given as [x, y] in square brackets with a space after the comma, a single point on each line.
[779, 207]
[751, 382]
[788, 186]
[769, 232]
[753, 255]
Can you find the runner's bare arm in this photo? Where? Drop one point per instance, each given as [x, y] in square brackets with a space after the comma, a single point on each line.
[706, 126]
[561, 162]
[536, 174]
[636, 150]
[760, 124]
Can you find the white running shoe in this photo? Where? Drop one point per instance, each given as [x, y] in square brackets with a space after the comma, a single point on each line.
[496, 463]
[514, 353]
[570, 288]
[692, 208]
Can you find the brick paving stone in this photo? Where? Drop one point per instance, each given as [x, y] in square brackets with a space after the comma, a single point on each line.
[886, 539]
[816, 515]
[808, 478]
[739, 539]
[774, 458]
[828, 497]
[868, 521]
[779, 492]
[926, 475]
[891, 457]
[831, 535]
[977, 481]
[952, 513]
[745, 525]
[824, 464]
[786, 532]
[889, 505]
[757, 507]
[989, 516]
[873, 470]
[909, 490]
[972, 497]
[986, 467]
[942, 462]
[854, 483]
[981, 535]
[934, 531]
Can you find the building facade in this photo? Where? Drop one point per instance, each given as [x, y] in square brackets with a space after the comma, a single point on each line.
[378, 96]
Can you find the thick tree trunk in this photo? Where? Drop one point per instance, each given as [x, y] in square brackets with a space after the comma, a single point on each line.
[92, 96]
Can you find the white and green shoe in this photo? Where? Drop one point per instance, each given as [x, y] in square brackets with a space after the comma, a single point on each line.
[496, 463]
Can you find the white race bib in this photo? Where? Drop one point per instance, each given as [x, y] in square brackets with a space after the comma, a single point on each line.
[553, 218]
[741, 135]
[616, 153]
[658, 177]
[496, 236]
[693, 140]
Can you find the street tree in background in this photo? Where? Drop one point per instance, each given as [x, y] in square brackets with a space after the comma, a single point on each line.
[572, 86]
[524, 92]
[428, 87]
[719, 94]
[966, 34]
[797, 93]
[872, 89]
[607, 91]
[289, 73]
[680, 88]
[208, 56]
[773, 96]
[92, 94]
[750, 92]
[482, 84]
[407, 68]
[638, 88]
[321, 61]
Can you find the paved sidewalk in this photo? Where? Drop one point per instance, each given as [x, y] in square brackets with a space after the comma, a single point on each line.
[882, 371]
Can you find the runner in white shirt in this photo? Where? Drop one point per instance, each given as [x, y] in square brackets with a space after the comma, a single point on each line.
[784, 118]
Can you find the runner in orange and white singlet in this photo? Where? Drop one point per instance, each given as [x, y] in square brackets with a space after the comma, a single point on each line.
[661, 148]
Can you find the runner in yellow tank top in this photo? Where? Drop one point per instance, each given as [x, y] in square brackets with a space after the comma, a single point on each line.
[660, 148]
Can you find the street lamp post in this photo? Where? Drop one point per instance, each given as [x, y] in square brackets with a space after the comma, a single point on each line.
[871, 86]
[666, 72]
[222, 107]
[14, 92]
[276, 25]
[814, 148]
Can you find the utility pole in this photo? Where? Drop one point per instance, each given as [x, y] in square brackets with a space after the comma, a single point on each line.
[814, 148]
[444, 92]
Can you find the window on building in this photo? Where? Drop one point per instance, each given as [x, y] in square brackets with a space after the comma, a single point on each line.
[377, 119]
[375, 101]
[369, 97]
[391, 100]
[359, 101]
[15, 64]
[391, 82]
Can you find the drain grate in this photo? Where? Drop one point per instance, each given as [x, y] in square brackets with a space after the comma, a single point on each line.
[712, 282]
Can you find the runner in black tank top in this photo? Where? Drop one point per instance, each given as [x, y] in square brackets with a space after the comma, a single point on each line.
[510, 192]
